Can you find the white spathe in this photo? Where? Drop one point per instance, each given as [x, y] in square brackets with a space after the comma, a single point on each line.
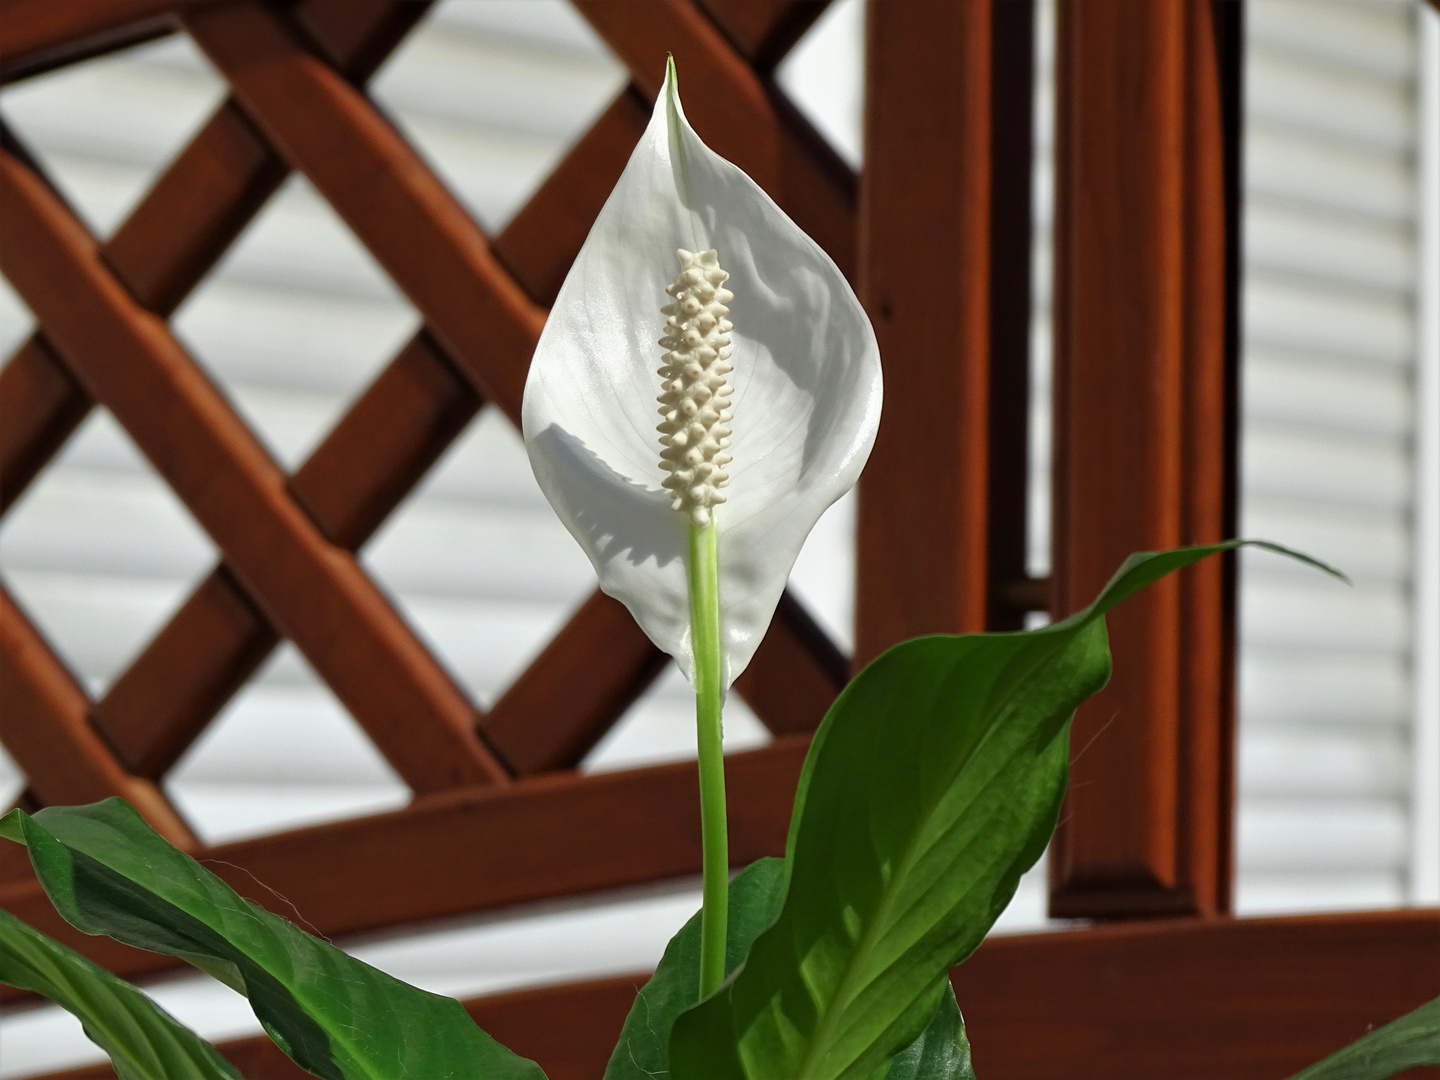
[806, 402]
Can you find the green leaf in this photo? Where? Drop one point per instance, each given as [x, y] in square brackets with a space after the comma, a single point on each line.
[755, 895]
[941, 1052]
[932, 785]
[107, 872]
[143, 1040]
[1411, 1041]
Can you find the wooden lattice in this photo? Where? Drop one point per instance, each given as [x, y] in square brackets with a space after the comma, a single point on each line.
[288, 568]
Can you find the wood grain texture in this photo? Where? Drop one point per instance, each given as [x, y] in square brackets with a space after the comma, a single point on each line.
[357, 36]
[161, 703]
[1144, 371]
[926, 266]
[796, 673]
[542, 240]
[44, 726]
[575, 690]
[1246, 999]
[312, 591]
[394, 204]
[41, 404]
[194, 211]
[764, 31]
[480, 849]
[386, 441]
[43, 34]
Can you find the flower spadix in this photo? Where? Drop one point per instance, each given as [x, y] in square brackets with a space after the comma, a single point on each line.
[696, 397]
[763, 423]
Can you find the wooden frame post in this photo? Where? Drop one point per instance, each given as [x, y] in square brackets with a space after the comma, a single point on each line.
[945, 276]
[1144, 433]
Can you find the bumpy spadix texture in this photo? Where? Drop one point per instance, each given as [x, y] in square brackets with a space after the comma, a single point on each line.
[806, 397]
[695, 399]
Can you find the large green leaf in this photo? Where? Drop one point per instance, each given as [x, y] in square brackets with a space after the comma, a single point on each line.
[940, 1053]
[1403, 1044]
[107, 872]
[932, 785]
[143, 1040]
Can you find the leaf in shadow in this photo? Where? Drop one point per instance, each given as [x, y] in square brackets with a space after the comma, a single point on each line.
[143, 1040]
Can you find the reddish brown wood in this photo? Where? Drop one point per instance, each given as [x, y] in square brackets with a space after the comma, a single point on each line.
[44, 728]
[194, 211]
[157, 708]
[481, 849]
[1141, 436]
[356, 36]
[42, 34]
[763, 31]
[357, 475]
[570, 1030]
[569, 697]
[796, 673]
[376, 182]
[737, 115]
[188, 218]
[386, 441]
[312, 591]
[1248, 999]
[926, 244]
[541, 241]
[40, 405]
[1012, 67]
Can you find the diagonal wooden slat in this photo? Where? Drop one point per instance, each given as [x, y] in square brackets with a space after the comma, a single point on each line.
[385, 442]
[159, 705]
[219, 604]
[188, 218]
[194, 211]
[542, 240]
[337, 136]
[796, 673]
[479, 849]
[44, 727]
[40, 405]
[412, 225]
[764, 31]
[736, 113]
[569, 697]
[314, 592]
[43, 34]
[352, 481]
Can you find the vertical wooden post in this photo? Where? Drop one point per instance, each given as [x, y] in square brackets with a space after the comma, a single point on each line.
[1144, 423]
[933, 210]
[1012, 155]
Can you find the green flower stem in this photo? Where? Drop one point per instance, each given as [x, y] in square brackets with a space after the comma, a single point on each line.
[705, 644]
